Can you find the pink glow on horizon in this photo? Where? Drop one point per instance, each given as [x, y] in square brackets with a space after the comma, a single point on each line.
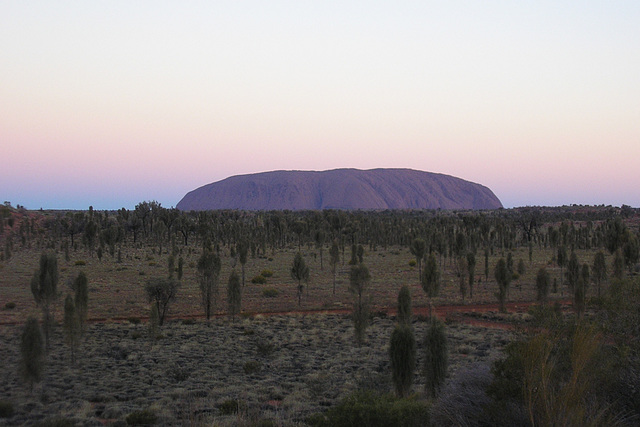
[113, 104]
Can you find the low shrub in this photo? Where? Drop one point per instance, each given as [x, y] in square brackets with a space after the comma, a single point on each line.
[231, 406]
[264, 348]
[412, 263]
[10, 305]
[270, 293]
[367, 408]
[80, 262]
[266, 273]
[142, 418]
[57, 422]
[251, 367]
[6, 409]
[259, 280]
[134, 320]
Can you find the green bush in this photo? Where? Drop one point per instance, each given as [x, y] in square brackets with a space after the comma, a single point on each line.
[366, 408]
[10, 306]
[81, 262]
[251, 367]
[57, 422]
[270, 293]
[141, 418]
[412, 263]
[266, 273]
[264, 348]
[231, 407]
[6, 409]
[134, 320]
[259, 280]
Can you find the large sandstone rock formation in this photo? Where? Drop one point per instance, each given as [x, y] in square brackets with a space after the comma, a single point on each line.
[341, 189]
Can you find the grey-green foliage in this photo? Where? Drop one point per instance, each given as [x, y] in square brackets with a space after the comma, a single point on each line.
[243, 250]
[542, 286]
[334, 253]
[161, 292]
[561, 260]
[44, 287]
[32, 353]
[580, 291]
[618, 265]
[503, 277]
[81, 298]
[573, 272]
[418, 248]
[299, 273]
[359, 278]
[431, 279]
[71, 327]
[180, 268]
[171, 265]
[209, 266]
[154, 322]
[404, 305]
[402, 355]
[471, 269]
[436, 357]
[599, 270]
[234, 294]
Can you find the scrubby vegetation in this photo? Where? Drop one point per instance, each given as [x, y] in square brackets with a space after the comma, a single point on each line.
[566, 279]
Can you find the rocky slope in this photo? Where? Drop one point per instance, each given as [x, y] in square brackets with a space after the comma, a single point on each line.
[341, 189]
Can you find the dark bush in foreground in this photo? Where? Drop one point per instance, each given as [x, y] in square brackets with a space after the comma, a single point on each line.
[366, 408]
[57, 422]
[142, 418]
[231, 406]
[6, 409]
[259, 280]
[270, 293]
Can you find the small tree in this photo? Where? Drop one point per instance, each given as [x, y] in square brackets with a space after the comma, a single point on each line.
[573, 272]
[418, 249]
[503, 277]
[542, 286]
[334, 253]
[171, 265]
[599, 270]
[234, 294]
[561, 260]
[580, 291]
[431, 280]
[299, 273]
[31, 353]
[404, 305]
[209, 266]
[463, 277]
[180, 268]
[81, 299]
[243, 253]
[154, 322]
[71, 327]
[436, 357]
[359, 278]
[402, 354]
[471, 269]
[618, 265]
[44, 287]
[162, 292]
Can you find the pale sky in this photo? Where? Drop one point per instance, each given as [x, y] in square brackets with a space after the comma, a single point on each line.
[110, 103]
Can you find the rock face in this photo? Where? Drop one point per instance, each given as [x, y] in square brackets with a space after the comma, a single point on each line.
[341, 189]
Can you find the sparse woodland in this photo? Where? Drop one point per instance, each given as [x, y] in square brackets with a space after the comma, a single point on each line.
[524, 316]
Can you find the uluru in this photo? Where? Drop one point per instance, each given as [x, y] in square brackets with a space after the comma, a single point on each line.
[374, 189]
